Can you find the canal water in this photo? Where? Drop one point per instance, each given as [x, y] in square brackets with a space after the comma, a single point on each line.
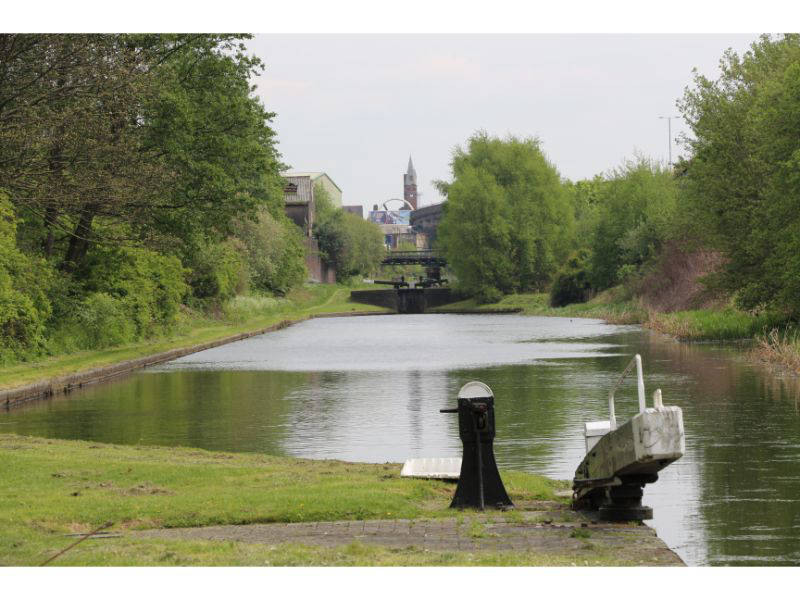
[370, 389]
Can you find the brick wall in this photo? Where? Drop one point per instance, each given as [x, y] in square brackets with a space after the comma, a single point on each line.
[318, 270]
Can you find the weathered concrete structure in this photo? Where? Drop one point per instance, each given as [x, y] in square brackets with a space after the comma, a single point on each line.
[298, 197]
[619, 462]
[318, 270]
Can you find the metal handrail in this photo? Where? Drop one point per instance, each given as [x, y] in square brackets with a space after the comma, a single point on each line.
[637, 360]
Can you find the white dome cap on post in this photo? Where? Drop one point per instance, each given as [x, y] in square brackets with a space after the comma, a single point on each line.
[475, 389]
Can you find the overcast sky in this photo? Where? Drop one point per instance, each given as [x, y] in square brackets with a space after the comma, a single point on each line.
[356, 106]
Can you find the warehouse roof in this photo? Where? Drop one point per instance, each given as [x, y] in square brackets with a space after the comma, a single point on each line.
[298, 189]
[314, 175]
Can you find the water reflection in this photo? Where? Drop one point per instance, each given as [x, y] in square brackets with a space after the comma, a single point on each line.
[370, 389]
[213, 410]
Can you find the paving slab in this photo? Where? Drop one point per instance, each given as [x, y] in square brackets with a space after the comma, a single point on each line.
[567, 532]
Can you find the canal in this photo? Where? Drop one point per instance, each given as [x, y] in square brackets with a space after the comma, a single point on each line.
[370, 389]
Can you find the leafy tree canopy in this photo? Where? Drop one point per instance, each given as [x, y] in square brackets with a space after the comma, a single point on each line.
[347, 242]
[158, 134]
[634, 214]
[743, 169]
[508, 222]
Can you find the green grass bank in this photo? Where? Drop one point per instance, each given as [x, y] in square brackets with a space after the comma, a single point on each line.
[241, 315]
[52, 488]
[537, 304]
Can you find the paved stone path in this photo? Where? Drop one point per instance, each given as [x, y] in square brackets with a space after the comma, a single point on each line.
[558, 531]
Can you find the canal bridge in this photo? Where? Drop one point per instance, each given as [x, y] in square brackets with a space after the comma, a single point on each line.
[426, 258]
[432, 262]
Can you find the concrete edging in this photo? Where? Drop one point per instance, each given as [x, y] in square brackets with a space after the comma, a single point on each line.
[64, 384]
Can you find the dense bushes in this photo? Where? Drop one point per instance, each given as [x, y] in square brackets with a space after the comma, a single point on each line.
[101, 321]
[217, 271]
[21, 325]
[274, 251]
[150, 286]
[363, 249]
[24, 307]
[624, 219]
[636, 207]
[125, 294]
[571, 283]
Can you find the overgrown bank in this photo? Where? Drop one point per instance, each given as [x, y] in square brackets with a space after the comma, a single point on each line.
[80, 486]
[771, 339]
[537, 304]
[141, 186]
[239, 315]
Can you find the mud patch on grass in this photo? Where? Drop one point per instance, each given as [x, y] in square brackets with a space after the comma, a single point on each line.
[141, 524]
[80, 527]
[146, 489]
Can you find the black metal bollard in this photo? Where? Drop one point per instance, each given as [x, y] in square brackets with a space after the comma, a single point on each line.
[479, 484]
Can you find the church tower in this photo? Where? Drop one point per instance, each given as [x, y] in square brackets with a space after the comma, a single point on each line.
[410, 185]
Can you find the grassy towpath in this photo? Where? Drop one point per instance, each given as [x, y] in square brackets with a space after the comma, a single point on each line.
[244, 314]
[53, 488]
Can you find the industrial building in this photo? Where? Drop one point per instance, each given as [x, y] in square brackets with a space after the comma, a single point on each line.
[298, 197]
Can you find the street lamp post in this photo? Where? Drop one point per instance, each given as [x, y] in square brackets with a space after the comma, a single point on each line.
[669, 135]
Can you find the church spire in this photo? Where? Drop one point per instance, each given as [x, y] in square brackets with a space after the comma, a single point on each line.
[412, 174]
[410, 185]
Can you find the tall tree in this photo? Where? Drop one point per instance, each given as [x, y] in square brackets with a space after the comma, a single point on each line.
[743, 168]
[214, 135]
[635, 210]
[509, 221]
[109, 137]
[69, 116]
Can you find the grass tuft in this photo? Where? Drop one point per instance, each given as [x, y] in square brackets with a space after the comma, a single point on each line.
[580, 533]
[779, 347]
